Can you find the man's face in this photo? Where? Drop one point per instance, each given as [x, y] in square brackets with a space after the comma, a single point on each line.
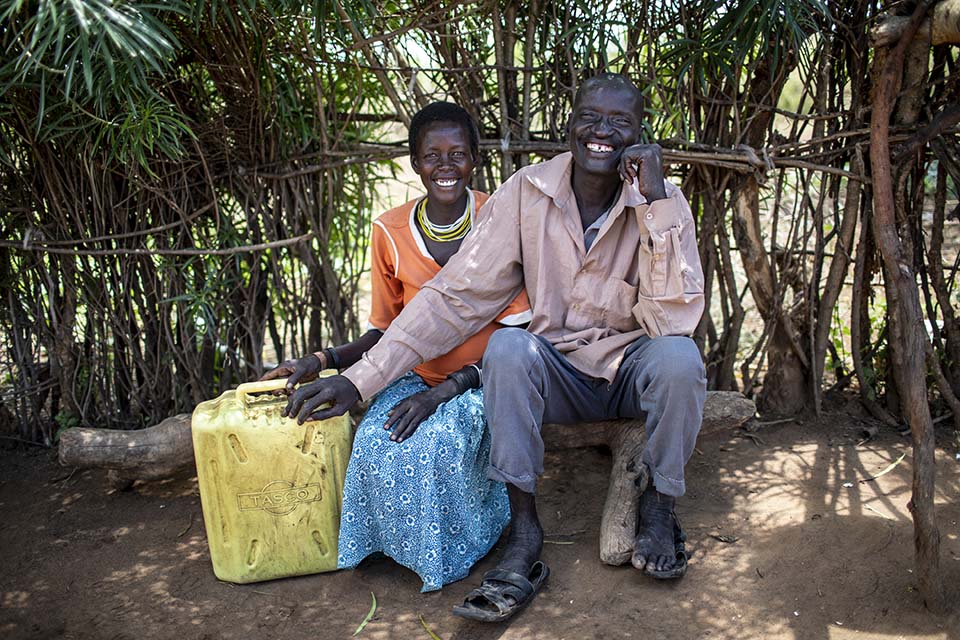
[605, 121]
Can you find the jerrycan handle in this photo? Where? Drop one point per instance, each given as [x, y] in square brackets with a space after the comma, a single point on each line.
[247, 388]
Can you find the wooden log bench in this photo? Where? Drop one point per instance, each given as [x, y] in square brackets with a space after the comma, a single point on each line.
[166, 449]
[722, 411]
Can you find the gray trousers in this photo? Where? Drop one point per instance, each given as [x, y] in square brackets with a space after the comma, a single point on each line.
[527, 382]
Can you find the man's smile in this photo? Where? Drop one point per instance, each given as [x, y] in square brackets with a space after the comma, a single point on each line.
[598, 147]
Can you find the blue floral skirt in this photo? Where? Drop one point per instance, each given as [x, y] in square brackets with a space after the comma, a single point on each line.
[425, 502]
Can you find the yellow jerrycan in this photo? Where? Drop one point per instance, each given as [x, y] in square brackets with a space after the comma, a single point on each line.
[271, 490]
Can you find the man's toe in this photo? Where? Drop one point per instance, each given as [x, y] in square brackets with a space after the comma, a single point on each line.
[639, 562]
[665, 563]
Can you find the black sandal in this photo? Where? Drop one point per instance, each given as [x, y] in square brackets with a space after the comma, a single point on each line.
[491, 601]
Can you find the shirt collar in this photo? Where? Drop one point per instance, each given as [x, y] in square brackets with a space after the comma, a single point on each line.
[552, 179]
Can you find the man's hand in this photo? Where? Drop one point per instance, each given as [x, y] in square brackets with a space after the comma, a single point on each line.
[407, 416]
[302, 370]
[644, 163]
[336, 391]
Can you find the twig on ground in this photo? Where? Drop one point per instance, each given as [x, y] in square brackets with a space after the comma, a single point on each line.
[753, 425]
[189, 524]
[879, 513]
[887, 470]
[755, 439]
[67, 479]
[423, 622]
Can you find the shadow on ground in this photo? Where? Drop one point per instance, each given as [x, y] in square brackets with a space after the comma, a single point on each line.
[789, 540]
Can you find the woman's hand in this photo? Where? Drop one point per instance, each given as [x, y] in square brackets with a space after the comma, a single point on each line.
[408, 414]
[303, 369]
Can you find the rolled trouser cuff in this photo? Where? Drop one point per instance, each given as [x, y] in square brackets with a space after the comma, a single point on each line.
[526, 483]
[669, 486]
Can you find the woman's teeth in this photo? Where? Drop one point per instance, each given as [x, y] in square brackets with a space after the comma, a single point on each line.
[445, 183]
[599, 148]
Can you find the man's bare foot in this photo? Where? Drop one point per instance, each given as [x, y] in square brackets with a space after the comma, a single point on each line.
[653, 548]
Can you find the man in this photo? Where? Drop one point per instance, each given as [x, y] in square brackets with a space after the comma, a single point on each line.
[606, 250]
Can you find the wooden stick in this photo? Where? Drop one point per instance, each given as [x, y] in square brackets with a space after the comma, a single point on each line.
[158, 252]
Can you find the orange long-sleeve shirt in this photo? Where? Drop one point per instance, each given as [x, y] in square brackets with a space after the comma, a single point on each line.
[401, 264]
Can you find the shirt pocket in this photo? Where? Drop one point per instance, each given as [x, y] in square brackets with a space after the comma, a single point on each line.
[619, 297]
[663, 271]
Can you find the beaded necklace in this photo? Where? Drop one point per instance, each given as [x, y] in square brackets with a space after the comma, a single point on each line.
[456, 230]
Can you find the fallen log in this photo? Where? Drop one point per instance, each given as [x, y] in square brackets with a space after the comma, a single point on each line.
[154, 453]
[161, 451]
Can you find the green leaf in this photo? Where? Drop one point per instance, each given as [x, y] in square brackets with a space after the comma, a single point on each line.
[373, 610]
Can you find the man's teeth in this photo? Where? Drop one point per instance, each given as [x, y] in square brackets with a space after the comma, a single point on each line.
[599, 148]
[445, 183]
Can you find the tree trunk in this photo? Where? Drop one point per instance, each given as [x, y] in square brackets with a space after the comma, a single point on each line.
[838, 270]
[908, 312]
[785, 388]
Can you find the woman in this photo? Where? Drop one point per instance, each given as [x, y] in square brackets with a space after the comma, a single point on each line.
[416, 487]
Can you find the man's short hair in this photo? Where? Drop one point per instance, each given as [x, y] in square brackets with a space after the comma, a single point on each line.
[612, 79]
[443, 112]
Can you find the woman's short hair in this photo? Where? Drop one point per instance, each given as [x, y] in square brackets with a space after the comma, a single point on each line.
[443, 112]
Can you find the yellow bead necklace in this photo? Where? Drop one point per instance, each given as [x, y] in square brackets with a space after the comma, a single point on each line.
[456, 230]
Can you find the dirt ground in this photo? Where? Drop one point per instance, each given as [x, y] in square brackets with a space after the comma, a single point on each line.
[809, 549]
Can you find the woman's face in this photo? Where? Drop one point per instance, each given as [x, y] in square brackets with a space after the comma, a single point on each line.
[444, 161]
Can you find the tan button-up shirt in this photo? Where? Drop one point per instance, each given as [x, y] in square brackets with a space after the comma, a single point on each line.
[641, 276]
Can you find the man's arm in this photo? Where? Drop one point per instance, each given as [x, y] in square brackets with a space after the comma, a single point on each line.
[476, 284]
[674, 303]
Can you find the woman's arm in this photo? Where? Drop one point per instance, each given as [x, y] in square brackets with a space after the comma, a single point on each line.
[309, 367]
[347, 355]
[386, 304]
[407, 416]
